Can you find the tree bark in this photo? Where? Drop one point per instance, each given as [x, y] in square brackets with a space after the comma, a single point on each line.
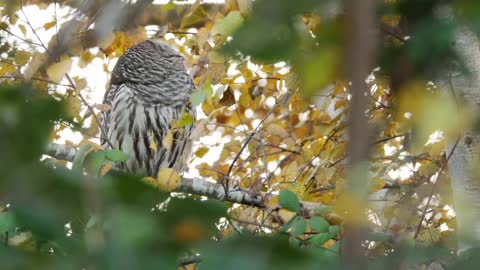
[201, 187]
[462, 164]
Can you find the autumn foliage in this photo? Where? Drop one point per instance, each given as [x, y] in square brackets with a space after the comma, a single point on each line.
[273, 104]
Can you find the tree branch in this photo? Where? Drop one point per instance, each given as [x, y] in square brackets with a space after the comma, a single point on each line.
[198, 186]
[61, 152]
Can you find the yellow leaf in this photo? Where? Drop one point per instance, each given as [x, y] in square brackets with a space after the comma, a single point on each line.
[73, 105]
[105, 169]
[329, 243]
[197, 14]
[324, 175]
[296, 187]
[167, 140]
[22, 29]
[37, 61]
[286, 215]
[7, 68]
[168, 179]
[120, 44]
[436, 148]
[307, 152]
[277, 130]
[325, 198]
[291, 171]
[206, 170]
[201, 151]
[58, 70]
[428, 170]
[153, 144]
[85, 59]
[339, 151]
[49, 25]
[272, 203]
[22, 57]
[80, 84]
[339, 104]
[377, 184]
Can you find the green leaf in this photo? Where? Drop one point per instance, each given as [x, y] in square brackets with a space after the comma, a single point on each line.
[289, 200]
[116, 155]
[320, 238]
[299, 226]
[94, 161]
[319, 224]
[228, 25]
[334, 230]
[198, 97]
[7, 222]
[80, 157]
[185, 120]
[325, 59]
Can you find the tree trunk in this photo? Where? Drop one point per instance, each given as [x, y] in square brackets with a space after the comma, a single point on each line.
[462, 163]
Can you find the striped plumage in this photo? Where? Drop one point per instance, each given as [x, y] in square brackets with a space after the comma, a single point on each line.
[149, 89]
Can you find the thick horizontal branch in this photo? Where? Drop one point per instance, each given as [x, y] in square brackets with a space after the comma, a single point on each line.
[198, 186]
[61, 152]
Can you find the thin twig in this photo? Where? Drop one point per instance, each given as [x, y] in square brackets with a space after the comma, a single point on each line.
[34, 79]
[442, 169]
[249, 138]
[392, 33]
[22, 39]
[72, 84]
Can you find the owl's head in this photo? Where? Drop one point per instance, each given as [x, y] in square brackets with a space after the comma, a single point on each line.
[149, 61]
[164, 49]
[161, 53]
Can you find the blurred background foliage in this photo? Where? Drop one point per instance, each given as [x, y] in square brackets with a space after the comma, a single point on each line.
[274, 63]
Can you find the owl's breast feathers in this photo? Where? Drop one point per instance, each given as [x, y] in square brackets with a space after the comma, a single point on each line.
[142, 113]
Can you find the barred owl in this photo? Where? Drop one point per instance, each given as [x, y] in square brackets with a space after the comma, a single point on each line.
[149, 89]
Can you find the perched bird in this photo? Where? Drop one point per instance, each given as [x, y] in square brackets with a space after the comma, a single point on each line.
[149, 89]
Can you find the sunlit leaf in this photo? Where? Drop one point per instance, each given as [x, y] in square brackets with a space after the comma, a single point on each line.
[22, 57]
[153, 144]
[202, 151]
[185, 120]
[49, 25]
[23, 29]
[57, 71]
[168, 179]
[167, 140]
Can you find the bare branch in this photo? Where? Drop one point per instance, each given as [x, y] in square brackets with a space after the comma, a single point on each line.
[61, 152]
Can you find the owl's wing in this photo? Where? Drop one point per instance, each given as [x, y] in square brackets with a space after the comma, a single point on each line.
[138, 128]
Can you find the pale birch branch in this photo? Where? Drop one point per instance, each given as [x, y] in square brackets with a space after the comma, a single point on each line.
[198, 186]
